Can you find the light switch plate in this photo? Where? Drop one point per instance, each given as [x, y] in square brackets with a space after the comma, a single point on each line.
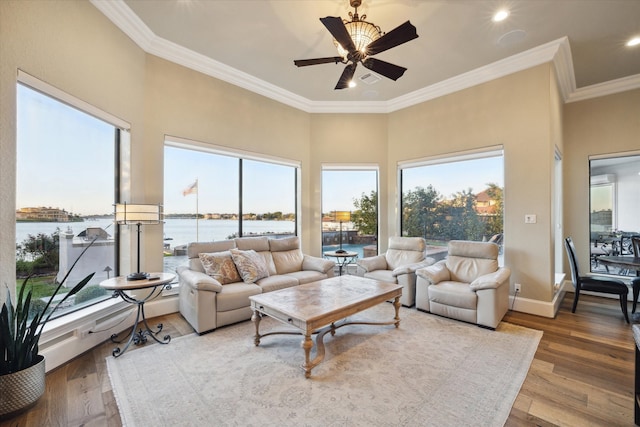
[530, 219]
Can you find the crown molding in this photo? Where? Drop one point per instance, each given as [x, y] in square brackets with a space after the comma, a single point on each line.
[558, 52]
[522, 61]
[607, 88]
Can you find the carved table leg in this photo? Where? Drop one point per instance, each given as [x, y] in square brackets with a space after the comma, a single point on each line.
[255, 318]
[307, 345]
[396, 304]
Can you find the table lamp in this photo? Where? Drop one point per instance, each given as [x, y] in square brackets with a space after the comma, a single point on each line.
[127, 214]
[342, 216]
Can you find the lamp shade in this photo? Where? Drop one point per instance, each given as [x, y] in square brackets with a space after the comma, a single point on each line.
[343, 216]
[138, 214]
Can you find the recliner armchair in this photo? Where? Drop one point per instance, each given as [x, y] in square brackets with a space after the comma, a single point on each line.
[468, 285]
[398, 265]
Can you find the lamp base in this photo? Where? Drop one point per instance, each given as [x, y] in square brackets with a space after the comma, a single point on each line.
[341, 251]
[138, 276]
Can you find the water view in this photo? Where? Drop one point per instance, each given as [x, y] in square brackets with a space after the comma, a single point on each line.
[177, 233]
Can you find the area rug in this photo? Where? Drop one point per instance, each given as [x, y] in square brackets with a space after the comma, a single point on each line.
[431, 371]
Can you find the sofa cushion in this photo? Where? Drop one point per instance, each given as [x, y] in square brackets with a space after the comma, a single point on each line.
[453, 294]
[235, 296]
[286, 254]
[258, 244]
[382, 276]
[306, 276]
[194, 248]
[288, 261]
[220, 266]
[250, 264]
[273, 283]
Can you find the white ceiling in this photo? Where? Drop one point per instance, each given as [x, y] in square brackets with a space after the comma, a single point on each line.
[252, 43]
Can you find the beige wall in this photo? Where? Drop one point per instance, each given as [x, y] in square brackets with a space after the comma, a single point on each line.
[72, 46]
[609, 124]
[183, 103]
[514, 112]
[354, 139]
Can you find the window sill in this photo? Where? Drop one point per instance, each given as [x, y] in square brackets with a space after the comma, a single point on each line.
[82, 320]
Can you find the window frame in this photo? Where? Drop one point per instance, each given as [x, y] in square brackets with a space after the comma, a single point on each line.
[209, 148]
[351, 167]
[121, 148]
[445, 158]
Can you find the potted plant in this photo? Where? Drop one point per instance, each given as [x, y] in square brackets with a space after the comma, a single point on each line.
[22, 369]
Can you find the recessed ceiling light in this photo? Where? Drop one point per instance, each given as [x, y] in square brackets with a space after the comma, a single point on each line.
[500, 15]
[635, 41]
[352, 84]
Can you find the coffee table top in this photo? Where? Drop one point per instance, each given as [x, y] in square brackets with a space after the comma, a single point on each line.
[334, 295]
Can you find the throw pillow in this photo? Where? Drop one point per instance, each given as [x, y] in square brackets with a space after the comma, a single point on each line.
[250, 264]
[220, 266]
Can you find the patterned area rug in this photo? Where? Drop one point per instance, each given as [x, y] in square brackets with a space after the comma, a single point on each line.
[431, 371]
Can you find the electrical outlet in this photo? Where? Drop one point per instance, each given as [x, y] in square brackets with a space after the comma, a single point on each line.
[83, 331]
[517, 287]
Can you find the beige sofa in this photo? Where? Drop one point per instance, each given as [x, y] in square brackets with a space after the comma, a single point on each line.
[208, 303]
[468, 285]
[398, 265]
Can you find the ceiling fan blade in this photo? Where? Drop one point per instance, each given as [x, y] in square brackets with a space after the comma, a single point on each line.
[339, 32]
[316, 61]
[346, 76]
[391, 71]
[393, 38]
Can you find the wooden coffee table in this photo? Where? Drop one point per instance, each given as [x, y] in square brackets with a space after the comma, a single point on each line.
[317, 307]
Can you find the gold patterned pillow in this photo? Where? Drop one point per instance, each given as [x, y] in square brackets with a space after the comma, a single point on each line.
[250, 264]
[220, 266]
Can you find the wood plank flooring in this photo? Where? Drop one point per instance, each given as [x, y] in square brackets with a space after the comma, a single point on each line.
[582, 374]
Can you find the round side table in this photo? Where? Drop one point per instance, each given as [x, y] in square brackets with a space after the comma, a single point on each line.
[155, 283]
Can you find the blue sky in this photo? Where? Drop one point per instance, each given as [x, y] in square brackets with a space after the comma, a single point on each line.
[50, 172]
[79, 179]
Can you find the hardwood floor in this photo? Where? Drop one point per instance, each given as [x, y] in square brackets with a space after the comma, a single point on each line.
[582, 374]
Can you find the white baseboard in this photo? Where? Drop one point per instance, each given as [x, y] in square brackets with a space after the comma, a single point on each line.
[537, 307]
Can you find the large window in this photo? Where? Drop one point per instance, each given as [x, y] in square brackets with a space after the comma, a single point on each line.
[453, 198]
[212, 193]
[613, 209]
[66, 162]
[350, 209]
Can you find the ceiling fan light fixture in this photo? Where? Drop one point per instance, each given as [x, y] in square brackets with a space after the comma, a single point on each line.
[362, 33]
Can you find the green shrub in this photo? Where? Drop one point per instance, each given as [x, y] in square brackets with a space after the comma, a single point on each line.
[89, 293]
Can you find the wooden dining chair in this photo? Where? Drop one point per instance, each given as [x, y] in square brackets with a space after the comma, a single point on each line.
[635, 283]
[594, 284]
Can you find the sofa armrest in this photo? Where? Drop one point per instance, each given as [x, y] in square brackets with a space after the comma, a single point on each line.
[317, 264]
[491, 280]
[435, 273]
[369, 264]
[198, 280]
[411, 268]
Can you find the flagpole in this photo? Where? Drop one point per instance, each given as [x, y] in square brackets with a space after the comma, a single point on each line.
[197, 212]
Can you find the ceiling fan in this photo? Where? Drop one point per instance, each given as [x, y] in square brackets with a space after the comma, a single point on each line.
[357, 41]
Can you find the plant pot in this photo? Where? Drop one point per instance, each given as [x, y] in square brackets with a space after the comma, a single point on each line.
[20, 390]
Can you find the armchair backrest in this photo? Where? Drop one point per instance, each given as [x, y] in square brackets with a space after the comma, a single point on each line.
[405, 250]
[468, 260]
